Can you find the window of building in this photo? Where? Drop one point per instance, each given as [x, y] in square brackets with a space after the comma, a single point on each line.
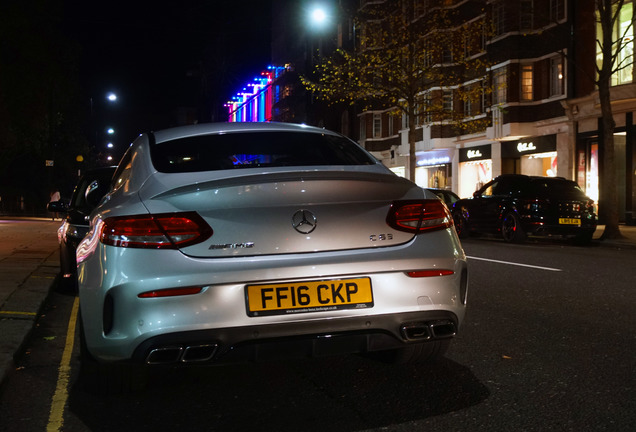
[391, 125]
[427, 112]
[556, 76]
[499, 91]
[526, 15]
[447, 54]
[527, 91]
[363, 128]
[625, 58]
[468, 106]
[557, 10]
[377, 125]
[498, 17]
[622, 37]
[447, 100]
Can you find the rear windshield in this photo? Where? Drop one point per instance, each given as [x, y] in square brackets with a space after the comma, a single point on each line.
[255, 149]
[557, 188]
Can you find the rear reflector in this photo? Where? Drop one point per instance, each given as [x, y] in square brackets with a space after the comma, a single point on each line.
[171, 292]
[160, 231]
[419, 216]
[429, 273]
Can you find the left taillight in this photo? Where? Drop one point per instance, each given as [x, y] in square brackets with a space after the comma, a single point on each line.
[419, 216]
[159, 231]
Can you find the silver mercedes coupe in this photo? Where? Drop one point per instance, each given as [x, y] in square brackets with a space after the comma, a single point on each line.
[246, 241]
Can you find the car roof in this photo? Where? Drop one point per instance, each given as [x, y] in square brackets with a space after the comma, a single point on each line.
[219, 128]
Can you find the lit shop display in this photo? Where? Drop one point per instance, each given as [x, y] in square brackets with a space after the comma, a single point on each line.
[434, 169]
[254, 103]
[535, 156]
[475, 169]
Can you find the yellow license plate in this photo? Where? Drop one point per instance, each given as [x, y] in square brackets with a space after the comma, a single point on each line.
[308, 296]
[569, 221]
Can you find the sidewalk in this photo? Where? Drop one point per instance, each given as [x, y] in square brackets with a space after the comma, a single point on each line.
[29, 269]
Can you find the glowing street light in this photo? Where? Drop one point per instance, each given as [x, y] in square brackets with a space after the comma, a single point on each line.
[110, 131]
[111, 97]
[319, 16]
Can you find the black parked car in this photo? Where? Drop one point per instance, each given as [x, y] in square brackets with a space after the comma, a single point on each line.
[516, 205]
[448, 197]
[90, 189]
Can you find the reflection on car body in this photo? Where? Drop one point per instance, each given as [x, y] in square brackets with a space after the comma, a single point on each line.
[226, 242]
[90, 189]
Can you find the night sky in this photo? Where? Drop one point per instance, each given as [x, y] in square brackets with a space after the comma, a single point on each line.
[162, 54]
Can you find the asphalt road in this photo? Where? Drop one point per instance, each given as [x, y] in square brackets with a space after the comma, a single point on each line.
[547, 345]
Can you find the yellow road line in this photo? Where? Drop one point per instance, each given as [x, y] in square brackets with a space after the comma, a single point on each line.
[17, 313]
[56, 416]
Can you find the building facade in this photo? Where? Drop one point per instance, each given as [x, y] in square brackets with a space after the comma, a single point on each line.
[542, 104]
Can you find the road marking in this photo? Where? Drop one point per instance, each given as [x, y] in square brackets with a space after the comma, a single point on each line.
[17, 313]
[56, 415]
[515, 264]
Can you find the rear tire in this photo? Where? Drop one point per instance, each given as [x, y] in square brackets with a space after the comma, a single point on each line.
[511, 229]
[109, 378]
[427, 352]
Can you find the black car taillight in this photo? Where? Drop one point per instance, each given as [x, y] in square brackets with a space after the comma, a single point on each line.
[533, 205]
[419, 216]
[160, 231]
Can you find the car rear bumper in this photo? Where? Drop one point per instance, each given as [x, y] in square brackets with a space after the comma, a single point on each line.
[297, 340]
[118, 323]
[545, 229]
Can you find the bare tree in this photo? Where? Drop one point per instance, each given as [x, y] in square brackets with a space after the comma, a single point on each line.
[412, 67]
[611, 44]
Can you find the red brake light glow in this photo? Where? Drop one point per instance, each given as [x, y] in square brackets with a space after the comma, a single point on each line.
[419, 216]
[430, 273]
[170, 292]
[160, 231]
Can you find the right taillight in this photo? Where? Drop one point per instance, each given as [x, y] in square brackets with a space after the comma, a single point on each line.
[419, 216]
[160, 231]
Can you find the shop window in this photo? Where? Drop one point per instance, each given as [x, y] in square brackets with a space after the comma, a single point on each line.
[527, 91]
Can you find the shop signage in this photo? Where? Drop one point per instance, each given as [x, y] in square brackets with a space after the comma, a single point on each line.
[529, 145]
[474, 153]
[524, 147]
[434, 161]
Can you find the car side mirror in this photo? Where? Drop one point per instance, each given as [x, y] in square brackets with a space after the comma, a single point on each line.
[57, 207]
[476, 194]
[94, 193]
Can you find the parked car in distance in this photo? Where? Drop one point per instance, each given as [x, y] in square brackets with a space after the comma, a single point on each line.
[246, 241]
[90, 189]
[516, 205]
[447, 196]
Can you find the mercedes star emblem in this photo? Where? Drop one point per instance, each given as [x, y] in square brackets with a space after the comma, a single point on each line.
[304, 221]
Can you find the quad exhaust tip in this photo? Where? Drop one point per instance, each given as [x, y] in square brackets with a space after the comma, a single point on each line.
[180, 354]
[427, 330]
